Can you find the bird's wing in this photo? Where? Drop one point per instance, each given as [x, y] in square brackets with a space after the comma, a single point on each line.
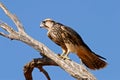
[76, 39]
[73, 36]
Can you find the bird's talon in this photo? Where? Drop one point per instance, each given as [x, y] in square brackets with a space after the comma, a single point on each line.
[63, 57]
[59, 55]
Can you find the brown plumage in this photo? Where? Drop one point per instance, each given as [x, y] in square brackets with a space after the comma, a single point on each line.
[70, 41]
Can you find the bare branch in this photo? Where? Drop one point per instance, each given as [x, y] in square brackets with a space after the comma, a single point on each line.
[6, 27]
[4, 35]
[44, 72]
[13, 17]
[38, 63]
[12, 34]
[74, 69]
[28, 68]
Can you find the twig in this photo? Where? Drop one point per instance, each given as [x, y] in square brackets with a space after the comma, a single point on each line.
[14, 18]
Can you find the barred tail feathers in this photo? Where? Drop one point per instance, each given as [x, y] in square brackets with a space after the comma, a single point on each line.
[91, 60]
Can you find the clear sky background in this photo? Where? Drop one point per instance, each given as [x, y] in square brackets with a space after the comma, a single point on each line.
[97, 21]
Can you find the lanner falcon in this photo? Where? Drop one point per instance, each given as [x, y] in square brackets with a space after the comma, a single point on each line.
[70, 41]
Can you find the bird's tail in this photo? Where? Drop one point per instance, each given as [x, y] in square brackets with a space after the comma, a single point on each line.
[91, 60]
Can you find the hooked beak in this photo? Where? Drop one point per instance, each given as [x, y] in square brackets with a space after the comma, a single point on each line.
[41, 25]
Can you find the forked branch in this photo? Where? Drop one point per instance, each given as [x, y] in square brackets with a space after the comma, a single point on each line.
[38, 63]
[76, 70]
[13, 18]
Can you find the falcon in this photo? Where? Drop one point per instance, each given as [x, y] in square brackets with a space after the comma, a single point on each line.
[70, 41]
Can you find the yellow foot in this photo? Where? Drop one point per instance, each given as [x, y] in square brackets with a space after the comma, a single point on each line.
[64, 57]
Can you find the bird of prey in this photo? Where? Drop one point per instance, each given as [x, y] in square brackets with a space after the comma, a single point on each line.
[70, 41]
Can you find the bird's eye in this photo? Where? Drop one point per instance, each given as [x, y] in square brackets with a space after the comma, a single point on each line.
[43, 21]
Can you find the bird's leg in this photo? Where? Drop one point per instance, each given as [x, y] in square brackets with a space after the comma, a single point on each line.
[64, 55]
[63, 52]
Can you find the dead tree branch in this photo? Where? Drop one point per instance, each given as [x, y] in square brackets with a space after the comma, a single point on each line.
[38, 63]
[76, 70]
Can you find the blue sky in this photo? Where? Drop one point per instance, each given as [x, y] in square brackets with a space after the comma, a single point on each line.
[97, 21]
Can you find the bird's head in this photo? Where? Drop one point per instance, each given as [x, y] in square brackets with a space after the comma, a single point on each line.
[47, 23]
